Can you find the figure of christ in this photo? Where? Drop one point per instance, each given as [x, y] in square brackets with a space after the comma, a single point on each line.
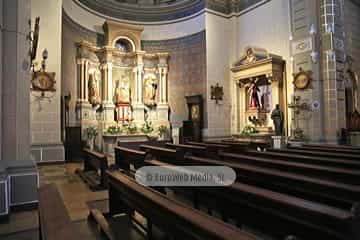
[254, 102]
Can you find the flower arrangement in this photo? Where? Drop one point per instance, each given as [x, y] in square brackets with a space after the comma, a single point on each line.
[248, 130]
[147, 128]
[91, 133]
[113, 130]
[131, 128]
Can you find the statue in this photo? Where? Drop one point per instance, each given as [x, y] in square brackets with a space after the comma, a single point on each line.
[122, 91]
[250, 56]
[150, 87]
[278, 118]
[254, 102]
[94, 97]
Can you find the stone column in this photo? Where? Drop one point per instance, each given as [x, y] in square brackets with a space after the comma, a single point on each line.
[108, 103]
[163, 106]
[333, 59]
[138, 106]
[15, 96]
[83, 107]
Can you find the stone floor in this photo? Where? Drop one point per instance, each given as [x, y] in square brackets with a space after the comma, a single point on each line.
[75, 194]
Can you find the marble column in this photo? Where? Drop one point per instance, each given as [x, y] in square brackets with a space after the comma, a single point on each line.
[15, 95]
[83, 107]
[138, 106]
[163, 106]
[108, 104]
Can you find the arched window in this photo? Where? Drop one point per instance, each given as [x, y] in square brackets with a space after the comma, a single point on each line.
[124, 45]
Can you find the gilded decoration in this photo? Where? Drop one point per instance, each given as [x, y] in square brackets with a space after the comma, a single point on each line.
[258, 81]
[302, 79]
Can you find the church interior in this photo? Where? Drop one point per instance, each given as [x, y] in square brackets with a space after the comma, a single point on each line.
[180, 119]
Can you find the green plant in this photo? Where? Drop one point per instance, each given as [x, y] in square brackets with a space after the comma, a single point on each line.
[113, 130]
[163, 130]
[91, 133]
[131, 128]
[248, 130]
[147, 128]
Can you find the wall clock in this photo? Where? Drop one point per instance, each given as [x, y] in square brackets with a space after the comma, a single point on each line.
[302, 79]
[43, 81]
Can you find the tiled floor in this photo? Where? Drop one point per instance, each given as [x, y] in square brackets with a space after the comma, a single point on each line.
[75, 194]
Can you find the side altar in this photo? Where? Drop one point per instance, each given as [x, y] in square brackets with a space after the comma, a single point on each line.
[119, 85]
[258, 87]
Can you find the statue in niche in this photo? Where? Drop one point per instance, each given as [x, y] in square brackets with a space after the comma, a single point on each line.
[253, 90]
[122, 91]
[93, 86]
[278, 119]
[150, 88]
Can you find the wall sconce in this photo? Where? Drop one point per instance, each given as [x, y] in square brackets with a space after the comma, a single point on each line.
[217, 93]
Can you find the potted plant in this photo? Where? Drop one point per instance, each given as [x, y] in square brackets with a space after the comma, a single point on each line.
[113, 130]
[248, 130]
[91, 133]
[147, 128]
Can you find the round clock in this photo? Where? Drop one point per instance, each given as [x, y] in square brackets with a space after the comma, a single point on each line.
[302, 80]
[43, 81]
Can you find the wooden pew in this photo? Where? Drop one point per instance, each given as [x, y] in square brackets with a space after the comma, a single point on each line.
[326, 149]
[194, 150]
[136, 145]
[174, 218]
[331, 146]
[292, 157]
[314, 188]
[163, 153]
[125, 157]
[326, 191]
[317, 153]
[343, 175]
[94, 172]
[212, 148]
[260, 208]
[54, 221]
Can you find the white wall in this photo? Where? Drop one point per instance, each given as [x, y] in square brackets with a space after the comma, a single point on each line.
[45, 122]
[152, 31]
[267, 26]
[219, 48]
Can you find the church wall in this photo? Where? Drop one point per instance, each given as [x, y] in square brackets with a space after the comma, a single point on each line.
[219, 47]
[227, 37]
[72, 33]
[187, 71]
[45, 114]
[1, 72]
[352, 31]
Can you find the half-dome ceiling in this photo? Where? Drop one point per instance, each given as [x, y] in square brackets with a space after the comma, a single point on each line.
[145, 10]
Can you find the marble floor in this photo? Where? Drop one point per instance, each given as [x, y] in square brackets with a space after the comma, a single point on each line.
[24, 225]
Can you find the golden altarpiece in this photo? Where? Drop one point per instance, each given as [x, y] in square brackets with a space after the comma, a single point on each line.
[259, 85]
[119, 83]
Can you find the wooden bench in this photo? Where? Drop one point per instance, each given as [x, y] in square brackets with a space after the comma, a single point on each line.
[317, 153]
[125, 157]
[194, 150]
[54, 221]
[260, 208]
[326, 191]
[334, 173]
[295, 157]
[175, 219]
[326, 149]
[94, 172]
[334, 146]
[212, 148]
[163, 153]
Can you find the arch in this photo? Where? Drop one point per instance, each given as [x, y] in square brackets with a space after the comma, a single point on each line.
[116, 39]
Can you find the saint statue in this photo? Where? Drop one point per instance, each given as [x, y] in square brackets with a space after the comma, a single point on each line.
[122, 91]
[278, 118]
[94, 97]
[253, 90]
[150, 87]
